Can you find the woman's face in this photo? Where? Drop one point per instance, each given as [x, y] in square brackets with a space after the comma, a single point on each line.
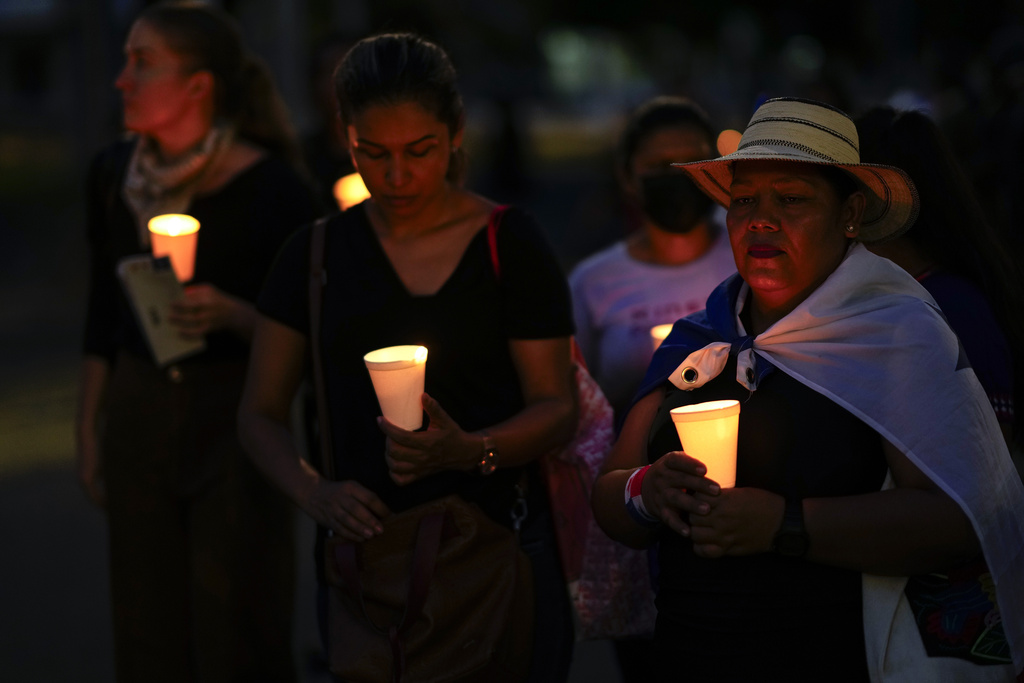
[155, 90]
[402, 151]
[787, 226]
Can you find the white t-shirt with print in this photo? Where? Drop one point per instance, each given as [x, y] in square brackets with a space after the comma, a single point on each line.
[617, 300]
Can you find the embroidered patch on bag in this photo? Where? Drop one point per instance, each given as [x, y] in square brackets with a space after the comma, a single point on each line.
[957, 615]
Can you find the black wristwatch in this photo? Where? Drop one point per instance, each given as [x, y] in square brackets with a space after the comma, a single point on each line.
[791, 540]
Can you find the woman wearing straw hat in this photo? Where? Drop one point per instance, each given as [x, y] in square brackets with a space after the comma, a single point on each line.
[867, 450]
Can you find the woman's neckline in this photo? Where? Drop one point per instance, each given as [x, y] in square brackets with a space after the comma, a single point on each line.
[371, 234]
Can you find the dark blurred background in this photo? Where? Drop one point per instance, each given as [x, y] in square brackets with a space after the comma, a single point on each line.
[547, 85]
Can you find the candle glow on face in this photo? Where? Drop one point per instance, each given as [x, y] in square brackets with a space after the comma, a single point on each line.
[174, 235]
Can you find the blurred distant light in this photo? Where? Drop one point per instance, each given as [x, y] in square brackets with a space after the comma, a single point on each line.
[350, 190]
[566, 51]
[741, 35]
[26, 9]
[803, 57]
[906, 99]
[728, 141]
[581, 61]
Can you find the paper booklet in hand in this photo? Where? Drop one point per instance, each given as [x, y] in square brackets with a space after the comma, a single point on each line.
[151, 286]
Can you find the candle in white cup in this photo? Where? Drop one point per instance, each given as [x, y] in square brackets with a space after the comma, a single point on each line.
[349, 190]
[708, 432]
[174, 235]
[658, 334]
[397, 373]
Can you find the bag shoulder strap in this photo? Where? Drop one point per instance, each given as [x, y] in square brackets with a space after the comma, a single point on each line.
[317, 282]
[492, 241]
[493, 223]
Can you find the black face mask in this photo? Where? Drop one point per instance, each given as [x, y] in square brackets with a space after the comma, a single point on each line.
[673, 202]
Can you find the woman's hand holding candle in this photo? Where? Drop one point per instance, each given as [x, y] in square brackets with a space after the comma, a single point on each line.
[668, 486]
[205, 308]
[739, 521]
[442, 446]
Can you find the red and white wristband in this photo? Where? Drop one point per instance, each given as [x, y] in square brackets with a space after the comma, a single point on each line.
[635, 500]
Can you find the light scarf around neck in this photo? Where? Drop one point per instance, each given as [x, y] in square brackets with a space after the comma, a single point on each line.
[873, 340]
[153, 187]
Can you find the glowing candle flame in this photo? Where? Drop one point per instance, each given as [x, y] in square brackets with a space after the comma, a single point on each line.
[350, 190]
[728, 141]
[398, 373]
[658, 334]
[708, 432]
[174, 235]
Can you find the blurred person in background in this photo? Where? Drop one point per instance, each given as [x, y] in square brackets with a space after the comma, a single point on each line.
[201, 547]
[666, 269]
[413, 265]
[324, 147]
[954, 252]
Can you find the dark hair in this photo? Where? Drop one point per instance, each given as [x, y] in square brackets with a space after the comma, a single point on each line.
[952, 229]
[208, 39]
[395, 68]
[655, 115]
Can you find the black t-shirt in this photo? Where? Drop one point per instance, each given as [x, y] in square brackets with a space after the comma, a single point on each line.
[242, 226]
[783, 614]
[465, 326]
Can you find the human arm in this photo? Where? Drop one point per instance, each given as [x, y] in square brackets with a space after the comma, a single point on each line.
[92, 385]
[205, 308]
[582, 314]
[101, 324]
[665, 486]
[546, 420]
[913, 528]
[275, 372]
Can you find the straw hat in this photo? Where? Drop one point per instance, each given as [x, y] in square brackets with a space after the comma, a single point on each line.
[791, 129]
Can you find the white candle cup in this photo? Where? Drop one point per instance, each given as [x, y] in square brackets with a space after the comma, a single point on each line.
[349, 190]
[708, 432]
[658, 334]
[397, 373]
[174, 235]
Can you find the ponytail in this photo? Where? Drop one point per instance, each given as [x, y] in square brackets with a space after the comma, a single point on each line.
[260, 114]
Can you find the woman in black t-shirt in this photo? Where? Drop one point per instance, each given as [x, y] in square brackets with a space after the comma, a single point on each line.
[413, 265]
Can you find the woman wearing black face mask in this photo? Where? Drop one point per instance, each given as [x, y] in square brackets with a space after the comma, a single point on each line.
[666, 269]
[671, 202]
